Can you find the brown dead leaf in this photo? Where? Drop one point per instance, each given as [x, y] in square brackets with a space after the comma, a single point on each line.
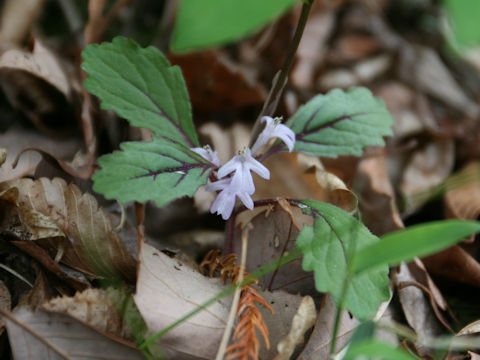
[273, 234]
[474, 356]
[17, 19]
[472, 328]
[303, 320]
[91, 245]
[212, 75]
[455, 263]
[312, 49]
[41, 292]
[42, 256]
[16, 139]
[168, 288]
[422, 67]
[299, 176]
[462, 197]
[377, 206]
[41, 63]
[93, 307]
[426, 169]
[318, 346]
[44, 335]
[416, 307]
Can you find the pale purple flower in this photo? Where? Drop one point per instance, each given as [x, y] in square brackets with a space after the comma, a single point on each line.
[225, 200]
[274, 129]
[242, 164]
[208, 154]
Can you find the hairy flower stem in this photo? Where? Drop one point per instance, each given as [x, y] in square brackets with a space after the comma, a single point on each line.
[281, 78]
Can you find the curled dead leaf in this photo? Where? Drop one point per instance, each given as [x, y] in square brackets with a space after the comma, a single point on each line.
[90, 244]
[41, 62]
[303, 320]
[91, 306]
[300, 176]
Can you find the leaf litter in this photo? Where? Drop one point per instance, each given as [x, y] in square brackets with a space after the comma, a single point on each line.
[69, 236]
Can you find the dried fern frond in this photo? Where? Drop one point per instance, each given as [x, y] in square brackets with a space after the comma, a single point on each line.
[246, 344]
[225, 265]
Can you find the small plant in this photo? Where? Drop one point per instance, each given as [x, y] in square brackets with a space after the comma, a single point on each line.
[141, 86]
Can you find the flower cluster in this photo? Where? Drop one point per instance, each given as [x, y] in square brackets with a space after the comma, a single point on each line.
[240, 183]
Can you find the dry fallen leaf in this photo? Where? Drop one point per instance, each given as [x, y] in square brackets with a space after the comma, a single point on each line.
[455, 263]
[273, 232]
[44, 335]
[91, 245]
[41, 62]
[427, 168]
[472, 328]
[300, 176]
[422, 67]
[416, 307]
[303, 320]
[17, 19]
[93, 307]
[463, 193]
[211, 74]
[474, 356]
[318, 346]
[167, 289]
[377, 206]
[312, 49]
[16, 139]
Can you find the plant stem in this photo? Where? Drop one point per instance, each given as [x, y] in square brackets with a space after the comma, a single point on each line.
[338, 315]
[281, 78]
[236, 298]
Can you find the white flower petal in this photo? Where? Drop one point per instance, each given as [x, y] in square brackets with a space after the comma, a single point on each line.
[274, 129]
[223, 204]
[246, 200]
[258, 168]
[218, 185]
[207, 153]
[286, 135]
[231, 166]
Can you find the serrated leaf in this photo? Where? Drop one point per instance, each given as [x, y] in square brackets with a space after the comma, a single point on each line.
[161, 170]
[419, 240]
[328, 247]
[140, 85]
[201, 23]
[341, 123]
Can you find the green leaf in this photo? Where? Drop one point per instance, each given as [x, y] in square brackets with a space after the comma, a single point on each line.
[328, 247]
[200, 23]
[160, 170]
[463, 17]
[377, 350]
[418, 240]
[140, 85]
[340, 123]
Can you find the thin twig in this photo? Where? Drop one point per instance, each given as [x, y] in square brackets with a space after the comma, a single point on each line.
[281, 78]
[236, 298]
